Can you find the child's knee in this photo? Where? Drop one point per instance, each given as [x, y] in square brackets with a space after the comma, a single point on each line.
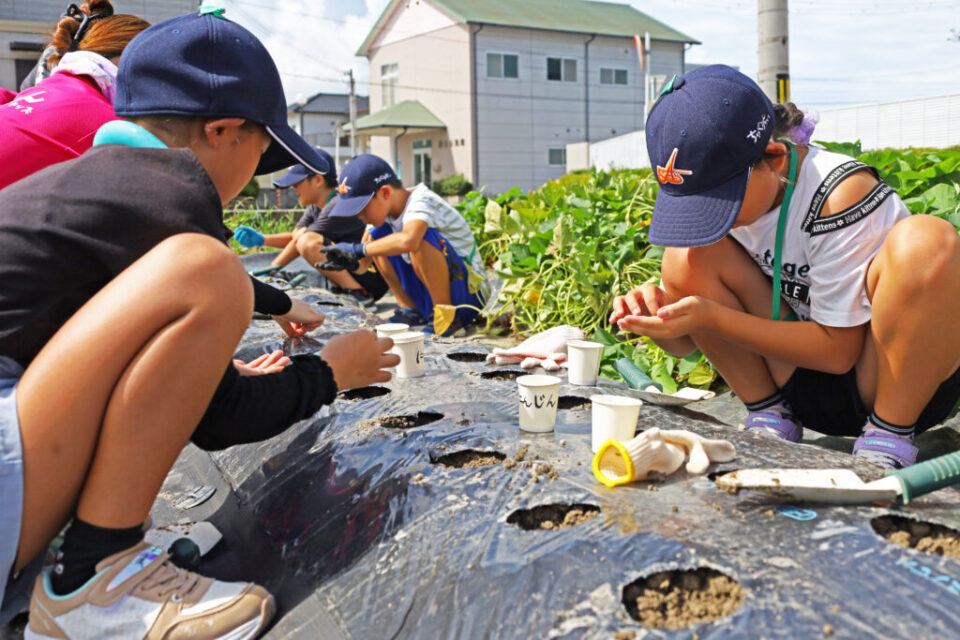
[679, 268]
[926, 247]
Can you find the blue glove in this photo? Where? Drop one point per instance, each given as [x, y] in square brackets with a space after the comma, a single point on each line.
[248, 236]
[342, 256]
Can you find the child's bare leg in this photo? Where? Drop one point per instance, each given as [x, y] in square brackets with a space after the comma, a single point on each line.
[393, 281]
[914, 287]
[106, 407]
[431, 267]
[290, 250]
[724, 273]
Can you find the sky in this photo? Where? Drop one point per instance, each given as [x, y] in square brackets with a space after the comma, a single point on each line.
[842, 52]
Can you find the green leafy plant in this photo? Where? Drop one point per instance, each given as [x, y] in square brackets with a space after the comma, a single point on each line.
[453, 185]
[266, 221]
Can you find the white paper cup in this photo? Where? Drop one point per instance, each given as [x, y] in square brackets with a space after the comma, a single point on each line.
[583, 361]
[388, 330]
[538, 402]
[614, 418]
[409, 346]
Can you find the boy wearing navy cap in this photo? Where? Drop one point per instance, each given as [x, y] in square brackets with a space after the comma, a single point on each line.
[798, 272]
[120, 309]
[317, 229]
[421, 245]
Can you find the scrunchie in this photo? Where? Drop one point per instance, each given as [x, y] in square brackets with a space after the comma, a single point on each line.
[802, 132]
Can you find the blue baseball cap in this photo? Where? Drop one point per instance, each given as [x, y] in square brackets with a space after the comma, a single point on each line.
[704, 133]
[359, 181]
[202, 64]
[300, 172]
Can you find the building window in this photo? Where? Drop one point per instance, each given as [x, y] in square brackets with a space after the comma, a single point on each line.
[613, 76]
[557, 156]
[562, 69]
[502, 65]
[389, 74]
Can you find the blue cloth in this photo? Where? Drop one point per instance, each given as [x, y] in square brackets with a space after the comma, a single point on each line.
[11, 478]
[417, 290]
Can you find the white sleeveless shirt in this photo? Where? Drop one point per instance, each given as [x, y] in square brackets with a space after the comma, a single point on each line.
[825, 259]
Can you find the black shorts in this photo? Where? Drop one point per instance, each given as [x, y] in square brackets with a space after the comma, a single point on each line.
[830, 403]
[373, 282]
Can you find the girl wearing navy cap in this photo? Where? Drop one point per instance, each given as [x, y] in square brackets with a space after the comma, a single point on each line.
[859, 338]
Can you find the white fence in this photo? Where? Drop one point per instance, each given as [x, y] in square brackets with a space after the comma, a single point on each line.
[923, 122]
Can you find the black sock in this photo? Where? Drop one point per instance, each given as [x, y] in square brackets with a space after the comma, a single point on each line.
[766, 403]
[896, 429]
[84, 545]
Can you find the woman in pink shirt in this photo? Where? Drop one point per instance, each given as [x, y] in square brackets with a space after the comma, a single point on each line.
[57, 119]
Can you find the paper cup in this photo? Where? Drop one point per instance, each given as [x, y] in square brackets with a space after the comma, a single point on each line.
[409, 346]
[583, 361]
[538, 402]
[614, 418]
[388, 330]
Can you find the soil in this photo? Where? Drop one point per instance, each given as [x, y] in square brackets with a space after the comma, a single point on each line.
[573, 403]
[470, 459]
[625, 635]
[363, 393]
[502, 375]
[400, 422]
[678, 599]
[922, 536]
[553, 516]
[519, 456]
[544, 469]
[468, 357]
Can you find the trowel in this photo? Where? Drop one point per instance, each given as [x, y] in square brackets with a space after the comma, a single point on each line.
[842, 486]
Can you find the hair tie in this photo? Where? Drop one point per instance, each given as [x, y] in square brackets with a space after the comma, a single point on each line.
[802, 132]
[74, 12]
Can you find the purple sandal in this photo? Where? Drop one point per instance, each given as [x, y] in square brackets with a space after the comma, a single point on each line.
[774, 423]
[885, 449]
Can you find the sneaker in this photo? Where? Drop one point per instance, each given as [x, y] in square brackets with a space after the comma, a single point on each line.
[410, 317]
[885, 449]
[361, 297]
[138, 593]
[781, 425]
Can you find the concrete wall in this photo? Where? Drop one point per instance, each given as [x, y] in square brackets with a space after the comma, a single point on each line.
[923, 122]
[628, 151]
[578, 156]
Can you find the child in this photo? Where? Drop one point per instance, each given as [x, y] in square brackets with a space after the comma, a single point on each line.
[120, 308]
[862, 340]
[421, 245]
[56, 120]
[316, 229]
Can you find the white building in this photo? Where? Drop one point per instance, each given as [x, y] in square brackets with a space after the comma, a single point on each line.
[26, 25]
[495, 90]
[320, 121]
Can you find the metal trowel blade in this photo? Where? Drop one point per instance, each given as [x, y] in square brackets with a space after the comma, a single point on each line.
[836, 486]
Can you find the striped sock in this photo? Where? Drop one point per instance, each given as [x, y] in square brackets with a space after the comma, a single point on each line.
[876, 422]
[776, 402]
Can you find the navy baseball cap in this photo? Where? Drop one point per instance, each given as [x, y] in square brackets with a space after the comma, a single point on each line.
[202, 64]
[359, 181]
[704, 133]
[300, 172]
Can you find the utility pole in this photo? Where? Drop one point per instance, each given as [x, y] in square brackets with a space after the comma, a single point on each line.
[773, 51]
[353, 113]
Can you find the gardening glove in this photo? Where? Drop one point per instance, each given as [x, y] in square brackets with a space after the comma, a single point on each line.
[702, 451]
[342, 256]
[248, 237]
[619, 463]
[546, 349]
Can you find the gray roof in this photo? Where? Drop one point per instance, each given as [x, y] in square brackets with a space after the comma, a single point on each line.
[332, 103]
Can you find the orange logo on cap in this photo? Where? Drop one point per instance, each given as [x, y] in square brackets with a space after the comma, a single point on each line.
[669, 174]
[343, 188]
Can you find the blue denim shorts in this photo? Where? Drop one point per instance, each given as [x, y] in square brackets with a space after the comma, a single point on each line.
[11, 472]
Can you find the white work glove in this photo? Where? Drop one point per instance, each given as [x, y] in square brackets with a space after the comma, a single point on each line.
[702, 451]
[547, 349]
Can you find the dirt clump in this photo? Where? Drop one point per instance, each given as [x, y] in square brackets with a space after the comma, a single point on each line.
[553, 516]
[625, 635]
[678, 599]
[408, 422]
[470, 459]
[544, 469]
[922, 536]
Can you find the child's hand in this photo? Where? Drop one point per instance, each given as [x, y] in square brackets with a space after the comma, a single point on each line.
[358, 359]
[645, 300]
[300, 320]
[675, 320]
[267, 363]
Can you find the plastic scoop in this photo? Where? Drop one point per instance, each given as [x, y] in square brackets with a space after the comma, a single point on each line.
[842, 486]
[262, 271]
[635, 377]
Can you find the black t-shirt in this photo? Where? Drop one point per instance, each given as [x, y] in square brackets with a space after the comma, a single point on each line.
[336, 229]
[68, 230]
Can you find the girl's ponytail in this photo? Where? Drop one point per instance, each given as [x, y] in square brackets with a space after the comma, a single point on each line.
[793, 123]
[104, 33]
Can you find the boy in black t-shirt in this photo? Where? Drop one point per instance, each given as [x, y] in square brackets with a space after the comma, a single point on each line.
[120, 309]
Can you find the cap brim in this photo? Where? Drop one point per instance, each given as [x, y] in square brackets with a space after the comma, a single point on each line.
[346, 207]
[288, 149]
[697, 220]
[289, 179]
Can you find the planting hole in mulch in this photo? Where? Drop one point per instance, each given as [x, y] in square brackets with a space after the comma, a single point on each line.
[509, 374]
[470, 459]
[573, 402]
[553, 516]
[408, 422]
[363, 393]
[922, 536]
[468, 357]
[678, 599]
